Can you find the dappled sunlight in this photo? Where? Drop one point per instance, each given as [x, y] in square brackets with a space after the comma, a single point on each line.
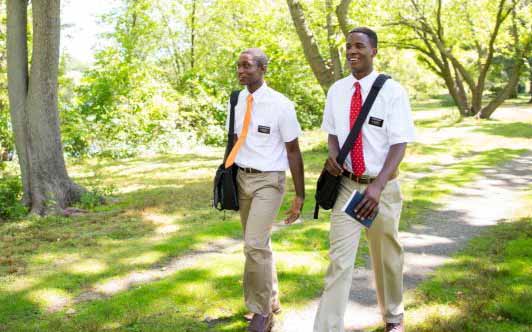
[88, 266]
[312, 262]
[20, 284]
[145, 258]
[423, 315]
[423, 261]
[422, 240]
[111, 326]
[197, 289]
[112, 286]
[56, 258]
[140, 186]
[50, 299]
[159, 249]
[164, 223]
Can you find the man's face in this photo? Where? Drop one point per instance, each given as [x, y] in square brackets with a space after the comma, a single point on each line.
[360, 53]
[248, 70]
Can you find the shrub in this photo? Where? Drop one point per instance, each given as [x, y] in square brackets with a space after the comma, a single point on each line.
[95, 196]
[10, 195]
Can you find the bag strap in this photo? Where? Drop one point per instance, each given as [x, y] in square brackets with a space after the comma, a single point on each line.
[231, 133]
[368, 103]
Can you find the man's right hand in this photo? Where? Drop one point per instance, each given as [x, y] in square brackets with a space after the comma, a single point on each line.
[332, 166]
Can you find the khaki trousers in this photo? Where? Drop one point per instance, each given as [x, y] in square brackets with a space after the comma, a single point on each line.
[259, 195]
[386, 258]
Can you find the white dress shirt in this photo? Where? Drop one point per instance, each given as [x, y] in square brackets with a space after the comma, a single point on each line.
[273, 122]
[389, 121]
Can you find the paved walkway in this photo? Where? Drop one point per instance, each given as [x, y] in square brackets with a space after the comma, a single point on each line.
[492, 198]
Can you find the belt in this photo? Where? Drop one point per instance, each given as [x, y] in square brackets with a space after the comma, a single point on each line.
[363, 179]
[249, 170]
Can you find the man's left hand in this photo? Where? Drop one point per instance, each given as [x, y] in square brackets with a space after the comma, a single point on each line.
[370, 202]
[295, 211]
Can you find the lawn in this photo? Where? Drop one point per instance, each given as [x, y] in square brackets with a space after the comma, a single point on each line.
[486, 287]
[85, 273]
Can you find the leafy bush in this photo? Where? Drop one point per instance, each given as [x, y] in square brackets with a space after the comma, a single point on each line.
[96, 196]
[10, 195]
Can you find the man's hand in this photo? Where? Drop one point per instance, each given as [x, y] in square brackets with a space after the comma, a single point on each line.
[295, 211]
[332, 166]
[370, 202]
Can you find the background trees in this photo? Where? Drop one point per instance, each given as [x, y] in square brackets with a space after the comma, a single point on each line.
[460, 41]
[163, 71]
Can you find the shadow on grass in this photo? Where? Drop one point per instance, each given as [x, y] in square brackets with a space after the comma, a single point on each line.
[513, 130]
[206, 297]
[422, 194]
[130, 228]
[486, 288]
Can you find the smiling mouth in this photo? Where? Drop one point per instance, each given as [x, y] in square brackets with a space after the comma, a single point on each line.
[354, 60]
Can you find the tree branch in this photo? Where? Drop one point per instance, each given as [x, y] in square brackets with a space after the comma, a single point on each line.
[310, 48]
[341, 14]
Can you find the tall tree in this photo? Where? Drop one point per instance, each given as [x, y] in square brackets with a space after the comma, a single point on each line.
[325, 71]
[462, 54]
[33, 106]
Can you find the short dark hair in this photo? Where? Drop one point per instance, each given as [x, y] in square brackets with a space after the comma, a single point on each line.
[258, 55]
[372, 35]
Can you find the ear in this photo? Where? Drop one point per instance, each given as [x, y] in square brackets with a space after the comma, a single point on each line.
[374, 52]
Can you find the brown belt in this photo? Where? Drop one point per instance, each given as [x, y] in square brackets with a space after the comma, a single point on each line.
[365, 179]
[249, 170]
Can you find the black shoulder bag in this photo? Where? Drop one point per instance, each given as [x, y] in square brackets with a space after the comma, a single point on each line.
[328, 184]
[225, 193]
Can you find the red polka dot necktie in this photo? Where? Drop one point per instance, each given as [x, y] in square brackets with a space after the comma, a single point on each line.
[357, 153]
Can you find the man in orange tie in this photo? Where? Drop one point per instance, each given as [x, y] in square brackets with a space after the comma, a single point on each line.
[371, 167]
[266, 133]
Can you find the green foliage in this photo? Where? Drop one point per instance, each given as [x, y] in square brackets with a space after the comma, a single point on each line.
[96, 196]
[10, 195]
[146, 91]
[6, 136]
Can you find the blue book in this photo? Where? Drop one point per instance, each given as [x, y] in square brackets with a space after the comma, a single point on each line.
[349, 209]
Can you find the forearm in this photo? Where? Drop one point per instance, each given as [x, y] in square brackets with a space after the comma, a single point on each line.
[391, 164]
[334, 146]
[295, 161]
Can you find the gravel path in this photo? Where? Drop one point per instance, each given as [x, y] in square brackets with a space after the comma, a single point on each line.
[492, 198]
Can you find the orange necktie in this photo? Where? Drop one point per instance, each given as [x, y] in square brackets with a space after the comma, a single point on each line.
[247, 119]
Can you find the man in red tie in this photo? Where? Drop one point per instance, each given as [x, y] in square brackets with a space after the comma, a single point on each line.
[370, 168]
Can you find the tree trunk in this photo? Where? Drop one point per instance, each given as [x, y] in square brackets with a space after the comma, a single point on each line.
[341, 14]
[488, 110]
[33, 102]
[17, 74]
[320, 69]
[331, 40]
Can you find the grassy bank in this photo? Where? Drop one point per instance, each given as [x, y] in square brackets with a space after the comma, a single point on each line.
[161, 211]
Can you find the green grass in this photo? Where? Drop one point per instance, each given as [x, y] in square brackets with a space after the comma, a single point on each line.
[513, 129]
[486, 287]
[161, 210]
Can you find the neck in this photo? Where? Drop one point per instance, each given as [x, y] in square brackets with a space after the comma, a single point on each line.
[255, 86]
[363, 73]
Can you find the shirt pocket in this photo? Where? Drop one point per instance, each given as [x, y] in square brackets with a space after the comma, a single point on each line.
[261, 133]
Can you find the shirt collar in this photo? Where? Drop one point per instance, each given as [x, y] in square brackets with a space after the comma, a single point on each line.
[366, 82]
[259, 93]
